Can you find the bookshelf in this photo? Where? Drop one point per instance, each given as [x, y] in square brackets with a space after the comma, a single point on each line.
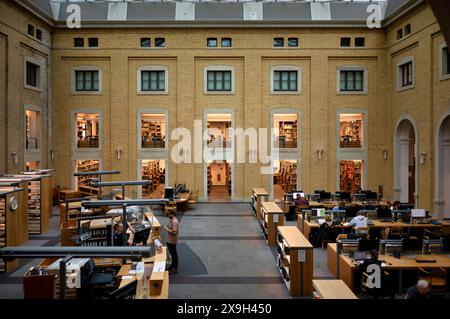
[100, 234]
[84, 182]
[228, 177]
[350, 176]
[287, 175]
[209, 180]
[151, 170]
[287, 134]
[350, 133]
[271, 217]
[152, 134]
[295, 260]
[258, 194]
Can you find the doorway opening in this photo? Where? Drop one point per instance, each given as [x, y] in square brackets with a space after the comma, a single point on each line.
[350, 176]
[284, 177]
[405, 162]
[219, 180]
[444, 167]
[285, 130]
[154, 171]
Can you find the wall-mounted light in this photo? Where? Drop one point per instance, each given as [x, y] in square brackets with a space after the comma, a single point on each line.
[319, 153]
[252, 154]
[15, 157]
[423, 157]
[52, 154]
[119, 153]
[385, 154]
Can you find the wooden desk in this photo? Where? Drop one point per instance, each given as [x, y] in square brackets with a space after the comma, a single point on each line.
[272, 216]
[258, 194]
[299, 261]
[333, 289]
[156, 227]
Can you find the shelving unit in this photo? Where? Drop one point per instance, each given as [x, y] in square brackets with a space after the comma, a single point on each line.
[287, 175]
[350, 176]
[9, 224]
[350, 134]
[151, 133]
[258, 194]
[209, 180]
[228, 176]
[295, 260]
[287, 134]
[100, 234]
[272, 216]
[84, 182]
[152, 172]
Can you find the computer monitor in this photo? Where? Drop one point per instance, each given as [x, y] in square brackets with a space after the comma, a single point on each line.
[319, 191]
[412, 244]
[296, 195]
[368, 244]
[446, 244]
[141, 236]
[352, 211]
[126, 292]
[325, 196]
[318, 212]
[169, 193]
[346, 196]
[371, 195]
[418, 213]
[405, 206]
[384, 213]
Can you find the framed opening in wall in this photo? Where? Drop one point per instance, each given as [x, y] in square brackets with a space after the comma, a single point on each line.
[31, 166]
[217, 125]
[219, 180]
[153, 130]
[154, 171]
[83, 183]
[284, 177]
[351, 130]
[32, 130]
[351, 175]
[285, 130]
[87, 130]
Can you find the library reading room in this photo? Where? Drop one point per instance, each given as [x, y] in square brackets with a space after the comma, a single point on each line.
[225, 149]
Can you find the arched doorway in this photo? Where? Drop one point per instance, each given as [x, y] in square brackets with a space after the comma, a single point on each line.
[443, 167]
[405, 162]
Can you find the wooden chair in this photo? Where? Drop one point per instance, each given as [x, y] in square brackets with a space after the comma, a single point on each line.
[436, 278]
[170, 207]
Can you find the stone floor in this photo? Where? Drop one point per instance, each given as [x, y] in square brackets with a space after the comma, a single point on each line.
[222, 255]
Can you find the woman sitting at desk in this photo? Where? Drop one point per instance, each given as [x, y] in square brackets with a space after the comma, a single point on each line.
[327, 231]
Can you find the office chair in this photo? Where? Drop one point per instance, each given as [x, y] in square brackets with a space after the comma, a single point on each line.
[386, 289]
[436, 278]
[96, 283]
[327, 234]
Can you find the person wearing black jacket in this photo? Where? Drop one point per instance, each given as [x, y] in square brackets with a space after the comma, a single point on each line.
[373, 260]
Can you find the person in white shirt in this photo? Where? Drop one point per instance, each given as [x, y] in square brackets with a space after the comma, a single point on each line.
[358, 221]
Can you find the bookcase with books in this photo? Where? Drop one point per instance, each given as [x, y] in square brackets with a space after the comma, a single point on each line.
[209, 180]
[152, 134]
[100, 234]
[288, 134]
[84, 182]
[2, 229]
[350, 176]
[288, 175]
[151, 170]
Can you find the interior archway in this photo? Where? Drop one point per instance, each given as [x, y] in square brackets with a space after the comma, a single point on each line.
[443, 175]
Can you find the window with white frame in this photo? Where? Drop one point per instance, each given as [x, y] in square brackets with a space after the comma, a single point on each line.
[219, 79]
[285, 79]
[405, 73]
[152, 80]
[444, 58]
[87, 130]
[153, 130]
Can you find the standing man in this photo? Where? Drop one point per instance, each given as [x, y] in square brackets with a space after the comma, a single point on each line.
[172, 240]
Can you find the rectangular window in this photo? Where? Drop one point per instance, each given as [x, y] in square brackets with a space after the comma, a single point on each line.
[226, 42]
[33, 74]
[93, 42]
[84, 182]
[39, 34]
[399, 34]
[153, 80]
[78, 43]
[87, 130]
[211, 42]
[360, 42]
[153, 130]
[445, 61]
[293, 42]
[352, 81]
[32, 127]
[406, 72]
[154, 171]
[145, 42]
[30, 30]
[285, 130]
[285, 81]
[351, 130]
[160, 42]
[219, 80]
[345, 42]
[87, 80]
[278, 42]
[407, 29]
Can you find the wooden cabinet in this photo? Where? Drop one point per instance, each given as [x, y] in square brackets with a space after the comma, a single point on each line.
[272, 216]
[258, 195]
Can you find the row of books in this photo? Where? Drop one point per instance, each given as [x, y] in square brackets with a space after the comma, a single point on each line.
[34, 207]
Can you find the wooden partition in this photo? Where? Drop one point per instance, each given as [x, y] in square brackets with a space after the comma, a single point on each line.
[258, 195]
[272, 216]
[295, 260]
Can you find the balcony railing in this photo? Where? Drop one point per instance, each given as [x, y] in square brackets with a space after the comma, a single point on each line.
[88, 142]
[153, 142]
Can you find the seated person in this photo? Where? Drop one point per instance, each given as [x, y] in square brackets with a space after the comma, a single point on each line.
[301, 201]
[373, 260]
[118, 234]
[420, 291]
[327, 230]
[395, 206]
[358, 221]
